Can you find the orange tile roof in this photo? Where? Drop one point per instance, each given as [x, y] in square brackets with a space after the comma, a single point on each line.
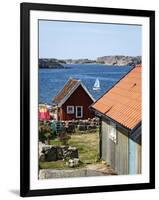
[122, 102]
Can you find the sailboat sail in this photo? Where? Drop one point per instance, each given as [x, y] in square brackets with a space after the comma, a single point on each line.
[96, 85]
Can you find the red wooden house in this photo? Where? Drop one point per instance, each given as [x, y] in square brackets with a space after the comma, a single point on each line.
[73, 101]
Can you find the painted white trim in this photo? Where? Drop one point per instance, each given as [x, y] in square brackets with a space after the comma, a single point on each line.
[72, 91]
[81, 111]
[73, 109]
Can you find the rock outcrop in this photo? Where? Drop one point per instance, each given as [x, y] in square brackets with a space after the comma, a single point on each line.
[119, 60]
[50, 63]
[54, 153]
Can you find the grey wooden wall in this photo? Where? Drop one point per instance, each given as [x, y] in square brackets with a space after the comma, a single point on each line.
[115, 154]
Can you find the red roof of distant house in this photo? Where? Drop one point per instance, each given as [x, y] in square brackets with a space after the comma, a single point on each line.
[71, 83]
[70, 86]
[122, 102]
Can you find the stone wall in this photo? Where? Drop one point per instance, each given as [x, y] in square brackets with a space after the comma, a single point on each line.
[54, 152]
[84, 126]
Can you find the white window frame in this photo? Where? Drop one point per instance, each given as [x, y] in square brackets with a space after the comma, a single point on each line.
[81, 111]
[113, 131]
[70, 112]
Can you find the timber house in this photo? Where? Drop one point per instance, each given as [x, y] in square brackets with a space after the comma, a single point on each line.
[119, 110]
[73, 101]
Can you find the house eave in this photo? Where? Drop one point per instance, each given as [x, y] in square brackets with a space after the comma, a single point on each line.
[101, 115]
[136, 127]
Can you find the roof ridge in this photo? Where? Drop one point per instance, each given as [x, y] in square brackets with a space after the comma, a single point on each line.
[70, 78]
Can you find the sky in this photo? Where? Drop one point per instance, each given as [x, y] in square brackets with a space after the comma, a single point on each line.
[74, 40]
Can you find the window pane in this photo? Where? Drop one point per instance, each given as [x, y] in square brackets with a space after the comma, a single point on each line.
[70, 109]
[79, 111]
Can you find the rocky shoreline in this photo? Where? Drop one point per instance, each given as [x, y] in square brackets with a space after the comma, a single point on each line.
[49, 63]
[117, 60]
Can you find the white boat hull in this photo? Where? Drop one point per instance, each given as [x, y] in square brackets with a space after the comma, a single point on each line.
[96, 88]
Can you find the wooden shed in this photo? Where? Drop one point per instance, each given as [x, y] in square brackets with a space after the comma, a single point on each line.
[119, 110]
[73, 101]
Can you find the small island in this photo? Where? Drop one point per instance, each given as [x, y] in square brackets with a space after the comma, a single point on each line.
[50, 63]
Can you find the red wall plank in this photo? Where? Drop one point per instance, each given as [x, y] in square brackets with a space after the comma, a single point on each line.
[78, 98]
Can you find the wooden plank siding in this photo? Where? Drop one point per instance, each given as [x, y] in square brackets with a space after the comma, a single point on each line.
[132, 157]
[136, 138]
[122, 152]
[123, 157]
[115, 154]
[78, 98]
[139, 151]
[139, 157]
[105, 147]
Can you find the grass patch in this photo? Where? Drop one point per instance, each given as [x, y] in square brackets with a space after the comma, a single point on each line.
[56, 141]
[60, 164]
[88, 149]
[88, 146]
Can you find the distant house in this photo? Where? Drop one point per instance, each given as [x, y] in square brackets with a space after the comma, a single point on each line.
[73, 101]
[119, 110]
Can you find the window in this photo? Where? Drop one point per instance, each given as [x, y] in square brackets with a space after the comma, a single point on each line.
[79, 111]
[70, 109]
[112, 131]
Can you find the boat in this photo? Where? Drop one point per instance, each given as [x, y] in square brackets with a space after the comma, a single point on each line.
[96, 85]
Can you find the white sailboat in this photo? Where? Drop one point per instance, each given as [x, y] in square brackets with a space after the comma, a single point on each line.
[96, 85]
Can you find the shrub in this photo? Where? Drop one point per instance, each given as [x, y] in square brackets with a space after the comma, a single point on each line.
[44, 132]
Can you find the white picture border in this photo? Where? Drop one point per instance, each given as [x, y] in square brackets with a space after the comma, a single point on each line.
[36, 183]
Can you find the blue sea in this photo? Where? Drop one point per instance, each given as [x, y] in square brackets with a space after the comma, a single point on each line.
[52, 80]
